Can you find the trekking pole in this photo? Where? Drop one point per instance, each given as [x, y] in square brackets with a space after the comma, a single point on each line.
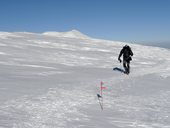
[120, 65]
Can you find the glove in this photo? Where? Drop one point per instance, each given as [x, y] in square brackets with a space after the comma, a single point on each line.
[120, 60]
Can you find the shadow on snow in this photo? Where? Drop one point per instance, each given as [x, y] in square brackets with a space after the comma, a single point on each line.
[119, 69]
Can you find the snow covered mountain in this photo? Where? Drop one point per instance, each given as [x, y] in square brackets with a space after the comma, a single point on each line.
[70, 34]
[50, 80]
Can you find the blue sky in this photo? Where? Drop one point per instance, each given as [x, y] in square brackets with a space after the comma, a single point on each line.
[123, 20]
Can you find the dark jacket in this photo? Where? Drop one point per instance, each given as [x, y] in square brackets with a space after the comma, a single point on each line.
[127, 53]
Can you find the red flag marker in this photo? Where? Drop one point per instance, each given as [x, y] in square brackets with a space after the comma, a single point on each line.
[102, 88]
[100, 97]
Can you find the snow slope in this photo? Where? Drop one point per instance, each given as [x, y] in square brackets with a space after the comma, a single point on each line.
[50, 80]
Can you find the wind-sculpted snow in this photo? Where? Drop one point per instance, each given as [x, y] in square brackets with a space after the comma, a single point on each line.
[50, 80]
[57, 108]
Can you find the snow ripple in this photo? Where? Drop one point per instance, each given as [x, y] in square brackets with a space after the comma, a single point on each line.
[55, 109]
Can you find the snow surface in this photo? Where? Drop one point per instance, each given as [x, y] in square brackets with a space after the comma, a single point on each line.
[50, 80]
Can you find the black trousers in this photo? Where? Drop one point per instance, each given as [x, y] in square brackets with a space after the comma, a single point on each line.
[126, 65]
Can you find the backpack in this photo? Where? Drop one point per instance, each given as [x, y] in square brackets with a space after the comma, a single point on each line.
[127, 53]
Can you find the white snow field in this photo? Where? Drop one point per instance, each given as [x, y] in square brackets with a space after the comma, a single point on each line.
[50, 80]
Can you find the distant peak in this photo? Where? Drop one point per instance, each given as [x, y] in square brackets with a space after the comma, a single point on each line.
[70, 34]
[74, 30]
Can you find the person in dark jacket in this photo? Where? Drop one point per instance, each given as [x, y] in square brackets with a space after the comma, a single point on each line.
[127, 53]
